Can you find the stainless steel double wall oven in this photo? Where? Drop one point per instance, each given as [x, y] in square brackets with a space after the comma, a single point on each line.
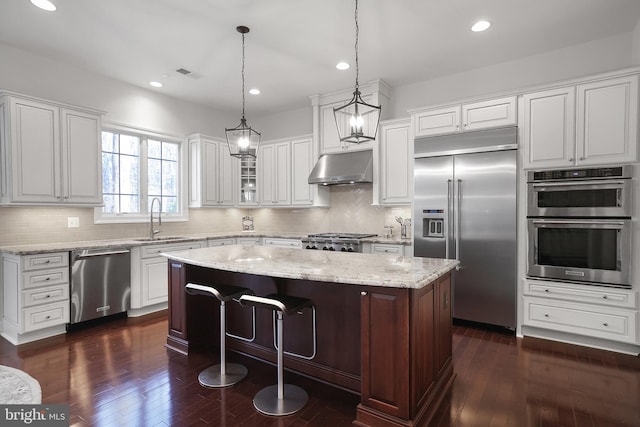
[579, 225]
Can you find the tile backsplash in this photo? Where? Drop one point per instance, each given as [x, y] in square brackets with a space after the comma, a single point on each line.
[350, 211]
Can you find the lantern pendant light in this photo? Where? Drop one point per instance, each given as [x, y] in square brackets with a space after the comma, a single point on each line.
[243, 141]
[357, 121]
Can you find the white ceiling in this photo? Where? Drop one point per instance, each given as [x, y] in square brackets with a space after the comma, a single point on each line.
[293, 45]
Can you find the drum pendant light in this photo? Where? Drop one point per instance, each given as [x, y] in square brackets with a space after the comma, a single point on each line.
[243, 141]
[357, 121]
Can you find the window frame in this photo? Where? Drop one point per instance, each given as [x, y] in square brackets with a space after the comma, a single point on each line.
[182, 215]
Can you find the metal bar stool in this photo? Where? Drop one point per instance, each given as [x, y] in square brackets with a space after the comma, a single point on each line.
[225, 374]
[281, 399]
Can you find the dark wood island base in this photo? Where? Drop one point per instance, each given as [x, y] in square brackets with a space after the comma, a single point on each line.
[390, 345]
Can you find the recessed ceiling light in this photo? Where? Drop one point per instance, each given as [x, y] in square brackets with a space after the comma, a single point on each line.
[342, 66]
[44, 4]
[156, 84]
[480, 26]
[254, 91]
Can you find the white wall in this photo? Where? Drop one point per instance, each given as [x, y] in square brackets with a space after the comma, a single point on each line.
[635, 47]
[284, 124]
[575, 61]
[39, 76]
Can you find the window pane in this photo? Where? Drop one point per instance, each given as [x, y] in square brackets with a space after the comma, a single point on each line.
[109, 142]
[169, 179]
[110, 173]
[154, 183]
[170, 151]
[129, 175]
[129, 204]
[110, 204]
[129, 144]
[170, 204]
[154, 149]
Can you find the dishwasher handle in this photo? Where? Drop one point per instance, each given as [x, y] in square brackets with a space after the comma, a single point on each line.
[103, 253]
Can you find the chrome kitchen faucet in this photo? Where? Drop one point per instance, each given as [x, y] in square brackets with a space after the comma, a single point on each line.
[152, 232]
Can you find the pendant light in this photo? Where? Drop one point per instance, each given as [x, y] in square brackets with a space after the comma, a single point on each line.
[357, 121]
[243, 141]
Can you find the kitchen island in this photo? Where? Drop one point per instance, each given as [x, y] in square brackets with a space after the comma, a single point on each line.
[383, 322]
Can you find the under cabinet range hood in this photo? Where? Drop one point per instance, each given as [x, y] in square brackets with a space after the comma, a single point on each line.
[343, 168]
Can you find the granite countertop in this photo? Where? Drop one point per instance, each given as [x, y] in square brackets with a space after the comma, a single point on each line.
[40, 248]
[354, 268]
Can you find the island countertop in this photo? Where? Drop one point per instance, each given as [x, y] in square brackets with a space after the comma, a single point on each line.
[323, 266]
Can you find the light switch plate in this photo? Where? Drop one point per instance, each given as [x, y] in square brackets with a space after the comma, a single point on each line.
[73, 222]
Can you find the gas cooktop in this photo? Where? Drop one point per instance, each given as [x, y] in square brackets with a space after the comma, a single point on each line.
[343, 242]
[340, 235]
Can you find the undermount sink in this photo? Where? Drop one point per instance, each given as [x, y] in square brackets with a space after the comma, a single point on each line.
[159, 239]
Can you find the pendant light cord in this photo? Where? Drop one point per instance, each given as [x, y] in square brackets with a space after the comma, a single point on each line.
[243, 76]
[357, 34]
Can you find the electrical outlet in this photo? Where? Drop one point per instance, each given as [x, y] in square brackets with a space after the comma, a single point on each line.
[73, 222]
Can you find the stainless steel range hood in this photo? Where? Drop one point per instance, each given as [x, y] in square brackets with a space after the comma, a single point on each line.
[343, 168]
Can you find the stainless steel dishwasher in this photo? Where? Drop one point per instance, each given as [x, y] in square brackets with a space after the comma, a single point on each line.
[100, 283]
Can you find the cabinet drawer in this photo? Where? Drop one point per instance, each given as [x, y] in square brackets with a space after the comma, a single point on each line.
[221, 242]
[50, 260]
[283, 243]
[387, 249]
[598, 322]
[153, 250]
[35, 279]
[248, 241]
[582, 293]
[45, 295]
[44, 316]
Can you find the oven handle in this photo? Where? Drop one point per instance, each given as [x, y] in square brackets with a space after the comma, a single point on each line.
[600, 184]
[612, 224]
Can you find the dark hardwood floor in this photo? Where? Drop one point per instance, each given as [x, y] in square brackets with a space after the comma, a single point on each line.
[120, 374]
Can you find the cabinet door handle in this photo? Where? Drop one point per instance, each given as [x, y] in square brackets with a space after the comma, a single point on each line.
[363, 293]
[546, 315]
[605, 324]
[604, 297]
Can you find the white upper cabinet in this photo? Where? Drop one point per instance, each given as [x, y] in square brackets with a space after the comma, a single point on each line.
[489, 114]
[302, 162]
[587, 124]
[466, 117]
[274, 174]
[51, 154]
[548, 129]
[213, 173]
[324, 122]
[396, 171]
[607, 121]
[436, 122]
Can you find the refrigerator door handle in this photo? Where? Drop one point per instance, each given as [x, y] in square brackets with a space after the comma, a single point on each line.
[448, 221]
[458, 216]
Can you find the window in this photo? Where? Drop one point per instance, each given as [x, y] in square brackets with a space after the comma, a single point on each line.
[138, 167]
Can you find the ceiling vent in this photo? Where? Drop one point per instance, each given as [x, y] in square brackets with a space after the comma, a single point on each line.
[183, 71]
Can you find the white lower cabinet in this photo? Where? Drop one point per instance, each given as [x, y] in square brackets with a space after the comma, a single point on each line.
[603, 313]
[35, 296]
[282, 243]
[149, 276]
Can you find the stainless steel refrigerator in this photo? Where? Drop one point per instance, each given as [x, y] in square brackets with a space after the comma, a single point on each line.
[465, 209]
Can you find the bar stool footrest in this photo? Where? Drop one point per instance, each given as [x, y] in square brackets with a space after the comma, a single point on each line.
[234, 373]
[266, 400]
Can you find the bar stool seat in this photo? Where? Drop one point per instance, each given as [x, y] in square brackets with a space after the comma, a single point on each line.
[280, 399]
[223, 374]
